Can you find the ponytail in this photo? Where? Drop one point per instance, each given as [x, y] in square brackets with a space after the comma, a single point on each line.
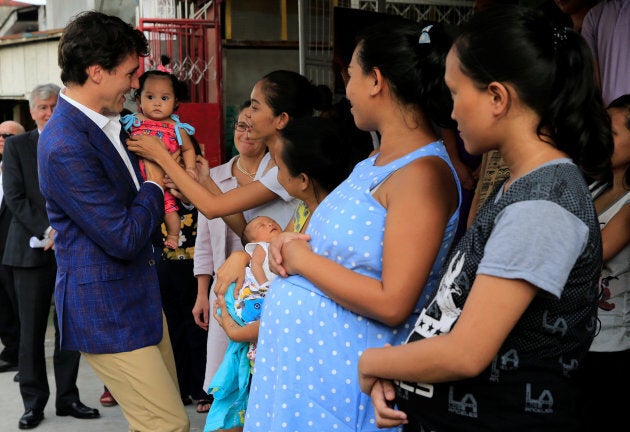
[576, 115]
[552, 70]
[412, 59]
[289, 92]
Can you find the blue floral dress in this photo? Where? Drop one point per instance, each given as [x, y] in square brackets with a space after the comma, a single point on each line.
[305, 376]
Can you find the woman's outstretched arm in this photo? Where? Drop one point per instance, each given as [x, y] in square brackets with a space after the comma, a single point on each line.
[211, 205]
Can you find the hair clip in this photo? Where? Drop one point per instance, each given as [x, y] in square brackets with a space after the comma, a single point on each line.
[425, 38]
[162, 68]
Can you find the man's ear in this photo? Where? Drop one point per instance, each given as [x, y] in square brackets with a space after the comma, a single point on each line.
[95, 73]
[501, 98]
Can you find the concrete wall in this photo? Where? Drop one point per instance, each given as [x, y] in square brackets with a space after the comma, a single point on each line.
[59, 12]
[243, 67]
[23, 66]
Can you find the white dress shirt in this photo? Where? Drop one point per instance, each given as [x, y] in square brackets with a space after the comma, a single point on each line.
[110, 125]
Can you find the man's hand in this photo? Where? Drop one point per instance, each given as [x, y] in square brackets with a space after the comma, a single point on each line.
[154, 172]
[51, 240]
[147, 146]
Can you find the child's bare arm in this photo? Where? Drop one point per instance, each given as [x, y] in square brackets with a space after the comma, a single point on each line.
[256, 264]
[616, 233]
[188, 154]
[235, 221]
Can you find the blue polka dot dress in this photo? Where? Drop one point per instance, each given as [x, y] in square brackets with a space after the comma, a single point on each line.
[305, 375]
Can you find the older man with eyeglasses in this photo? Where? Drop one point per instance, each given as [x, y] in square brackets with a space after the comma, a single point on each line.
[9, 322]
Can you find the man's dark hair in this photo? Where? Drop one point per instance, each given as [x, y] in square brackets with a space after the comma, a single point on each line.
[93, 38]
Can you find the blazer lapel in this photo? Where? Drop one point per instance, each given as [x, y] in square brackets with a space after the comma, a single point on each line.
[102, 144]
[132, 156]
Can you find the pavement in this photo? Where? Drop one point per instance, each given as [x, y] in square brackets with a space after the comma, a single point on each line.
[90, 390]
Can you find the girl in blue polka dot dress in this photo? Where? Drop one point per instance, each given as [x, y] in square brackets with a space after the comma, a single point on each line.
[312, 160]
[376, 241]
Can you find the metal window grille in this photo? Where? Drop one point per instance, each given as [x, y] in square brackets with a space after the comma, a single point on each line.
[194, 49]
[317, 16]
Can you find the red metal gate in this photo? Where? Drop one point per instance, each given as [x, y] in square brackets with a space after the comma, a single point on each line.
[194, 48]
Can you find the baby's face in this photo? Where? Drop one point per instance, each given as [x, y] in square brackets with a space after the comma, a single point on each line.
[262, 228]
[158, 98]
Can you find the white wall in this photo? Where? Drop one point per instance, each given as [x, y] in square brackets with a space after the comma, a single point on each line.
[23, 66]
[59, 12]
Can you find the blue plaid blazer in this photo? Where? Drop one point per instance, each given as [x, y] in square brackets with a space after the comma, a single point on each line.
[107, 294]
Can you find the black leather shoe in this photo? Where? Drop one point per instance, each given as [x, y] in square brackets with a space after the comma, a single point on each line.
[31, 419]
[16, 378]
[6, 366]
[78, 410]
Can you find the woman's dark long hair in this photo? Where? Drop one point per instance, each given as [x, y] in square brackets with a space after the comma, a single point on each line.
[313, 146]
[412, 63]
[552, 69]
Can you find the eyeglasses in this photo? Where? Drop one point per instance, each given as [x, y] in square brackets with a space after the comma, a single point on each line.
[240, 126]
[6, 135]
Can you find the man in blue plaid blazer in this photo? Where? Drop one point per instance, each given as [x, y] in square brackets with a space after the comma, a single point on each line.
[106, 220]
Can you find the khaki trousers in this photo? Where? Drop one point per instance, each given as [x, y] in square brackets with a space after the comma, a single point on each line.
[144, 383]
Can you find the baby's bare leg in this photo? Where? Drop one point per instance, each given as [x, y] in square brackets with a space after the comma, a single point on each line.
[172, 222]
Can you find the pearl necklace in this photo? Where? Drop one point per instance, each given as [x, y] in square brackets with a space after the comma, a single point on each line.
[243, 170]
